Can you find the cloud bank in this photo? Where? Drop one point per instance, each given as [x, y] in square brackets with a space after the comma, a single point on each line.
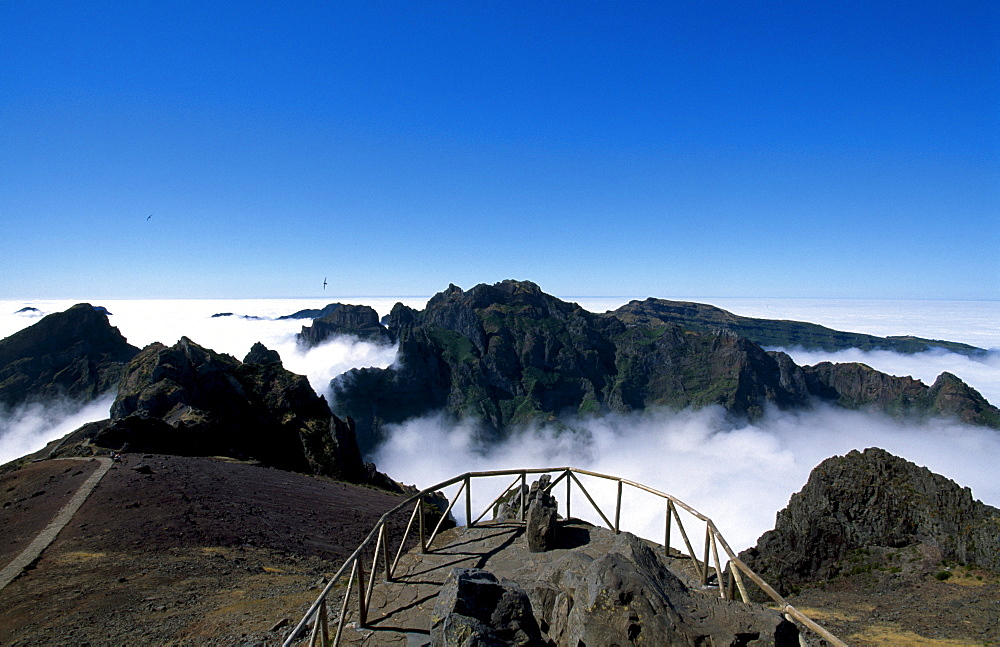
[27, 429]
[740, 476]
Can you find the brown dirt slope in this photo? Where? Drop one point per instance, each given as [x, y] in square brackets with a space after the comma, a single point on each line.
[197, 551]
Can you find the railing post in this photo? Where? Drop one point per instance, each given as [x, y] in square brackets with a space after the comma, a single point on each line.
[320, 628]
[468, 501]
[704, 563]
[362, 595]
[423, 526]
[343, 607]
[324, 632]
[618, 508]
[666, 534]
[385, 554]
[524, 497]
[735, 571]
[718, 564]
[568, 490]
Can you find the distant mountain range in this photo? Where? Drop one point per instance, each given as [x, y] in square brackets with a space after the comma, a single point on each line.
[779, 333]
[509, 354]
[504, 355]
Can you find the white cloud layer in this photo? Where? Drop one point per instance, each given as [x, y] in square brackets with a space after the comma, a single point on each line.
[740, 477]
[27, 429]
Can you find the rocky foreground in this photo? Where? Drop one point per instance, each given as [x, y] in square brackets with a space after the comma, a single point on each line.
[194, 551]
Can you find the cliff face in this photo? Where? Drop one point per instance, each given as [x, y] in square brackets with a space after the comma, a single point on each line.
[508, 354]
[188, 400]
[854, 386]
[342, 319]
[869, 500]
[76, 354]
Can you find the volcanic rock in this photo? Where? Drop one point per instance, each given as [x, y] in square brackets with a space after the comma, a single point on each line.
[509, 354]
[261, 354]
[782, 333]
[870, 500]
[312, 313]
[540, 526]
[626, 596]
[854, 385]
[475, 608]
[188, 400]
[75, 354]
[358, 321]
[508, 508]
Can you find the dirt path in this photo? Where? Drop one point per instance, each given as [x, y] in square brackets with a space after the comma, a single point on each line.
[49, 533]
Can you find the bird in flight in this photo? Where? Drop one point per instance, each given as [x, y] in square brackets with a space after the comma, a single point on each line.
[148, 217]
[324, 282]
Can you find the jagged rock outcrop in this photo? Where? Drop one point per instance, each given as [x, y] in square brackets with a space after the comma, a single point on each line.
[509, 354]
[76, 354]
[854, 385]
[189, 400]
[508, 508]
[627, 596]
[261, 354]
[869, 500]
[474, 608]
[541, 520]
[358, 321]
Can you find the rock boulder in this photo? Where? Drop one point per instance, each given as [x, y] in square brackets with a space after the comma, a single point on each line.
[474, 608]
[540, 527]
[627, 596]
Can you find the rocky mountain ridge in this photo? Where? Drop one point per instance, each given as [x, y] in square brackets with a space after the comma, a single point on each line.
[509, 354]
[779, 332]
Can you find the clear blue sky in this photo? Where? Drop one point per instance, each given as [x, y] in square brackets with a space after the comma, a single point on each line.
[805, 149]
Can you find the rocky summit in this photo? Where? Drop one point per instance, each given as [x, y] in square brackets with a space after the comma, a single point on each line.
[191, 401]
[341, 319]
[509, 354]
[76, 354]
[872, 502]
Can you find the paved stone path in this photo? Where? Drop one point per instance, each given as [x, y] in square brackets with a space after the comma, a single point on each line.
[48, 534]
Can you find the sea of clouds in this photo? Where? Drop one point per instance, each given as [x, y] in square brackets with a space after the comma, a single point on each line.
[738, 474]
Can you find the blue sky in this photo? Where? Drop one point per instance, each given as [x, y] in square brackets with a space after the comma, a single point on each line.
[801, 149]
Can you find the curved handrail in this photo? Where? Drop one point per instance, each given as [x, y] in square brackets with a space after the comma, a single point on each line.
[713, 540]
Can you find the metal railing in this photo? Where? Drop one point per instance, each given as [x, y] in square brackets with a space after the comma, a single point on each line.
[354, 566]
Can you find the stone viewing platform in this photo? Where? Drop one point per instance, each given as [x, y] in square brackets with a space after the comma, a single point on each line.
[530, 577]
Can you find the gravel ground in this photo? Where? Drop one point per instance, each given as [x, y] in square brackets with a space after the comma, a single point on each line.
[196, 551]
